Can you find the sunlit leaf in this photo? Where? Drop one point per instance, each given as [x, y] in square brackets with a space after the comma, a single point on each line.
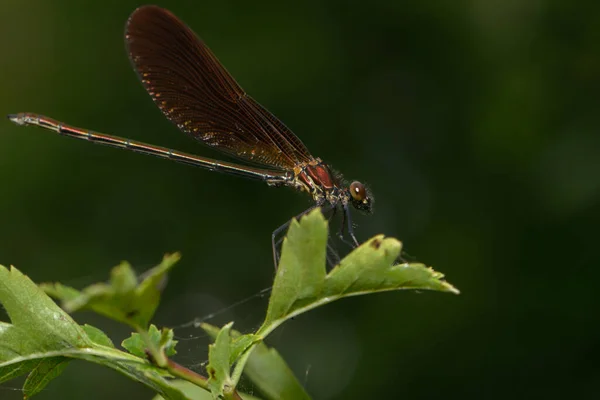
[302, 283]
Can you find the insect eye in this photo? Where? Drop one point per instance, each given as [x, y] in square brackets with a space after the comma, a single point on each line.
[357, 191]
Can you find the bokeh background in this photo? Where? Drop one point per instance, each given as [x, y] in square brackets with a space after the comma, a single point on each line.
[476, 124]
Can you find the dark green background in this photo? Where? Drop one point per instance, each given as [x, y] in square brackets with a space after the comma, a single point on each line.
[476, 124]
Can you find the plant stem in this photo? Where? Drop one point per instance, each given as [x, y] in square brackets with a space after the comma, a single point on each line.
[187, 374]
[158, 356]
[241, 363]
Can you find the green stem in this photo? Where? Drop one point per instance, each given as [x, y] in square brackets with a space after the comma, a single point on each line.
[161, 360]
[241, 363]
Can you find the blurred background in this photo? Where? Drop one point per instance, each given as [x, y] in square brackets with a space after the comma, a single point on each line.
[475, 123]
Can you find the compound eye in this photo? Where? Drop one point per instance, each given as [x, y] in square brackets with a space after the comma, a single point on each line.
[357, 191]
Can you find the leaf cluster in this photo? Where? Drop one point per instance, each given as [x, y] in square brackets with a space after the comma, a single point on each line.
[41, 338]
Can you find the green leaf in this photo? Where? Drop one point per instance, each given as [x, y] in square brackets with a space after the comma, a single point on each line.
[301, 271]
[162, 340]
[166, 342]
[219, 363]
[267, 370]
[37, 323]
[122, 299]
[42, 338]
[45, 371]
[97, 336]
[302, 283]
[15, 368]
[38, 326]
[271, 374]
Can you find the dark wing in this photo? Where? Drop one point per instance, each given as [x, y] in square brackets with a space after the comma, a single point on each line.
[196, 93]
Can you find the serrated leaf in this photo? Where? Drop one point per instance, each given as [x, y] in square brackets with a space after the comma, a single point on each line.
[239, 343]
[122, 299]
[37, 326]
[41, 338]
[45, 371]
[301, 271]
[162, 340]
[166, 342]
[97, 336]
[123, 278]
[267, 370]
[37, 323]
[302, 283]
[135, 344]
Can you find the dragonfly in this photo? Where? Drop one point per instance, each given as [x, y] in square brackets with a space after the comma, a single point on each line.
[196, 93]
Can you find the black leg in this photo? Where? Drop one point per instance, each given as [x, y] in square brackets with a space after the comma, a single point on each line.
[347, 223]
[331, 252]
[333, 257]
[274, 245]
[401, 259]
[350, 226]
